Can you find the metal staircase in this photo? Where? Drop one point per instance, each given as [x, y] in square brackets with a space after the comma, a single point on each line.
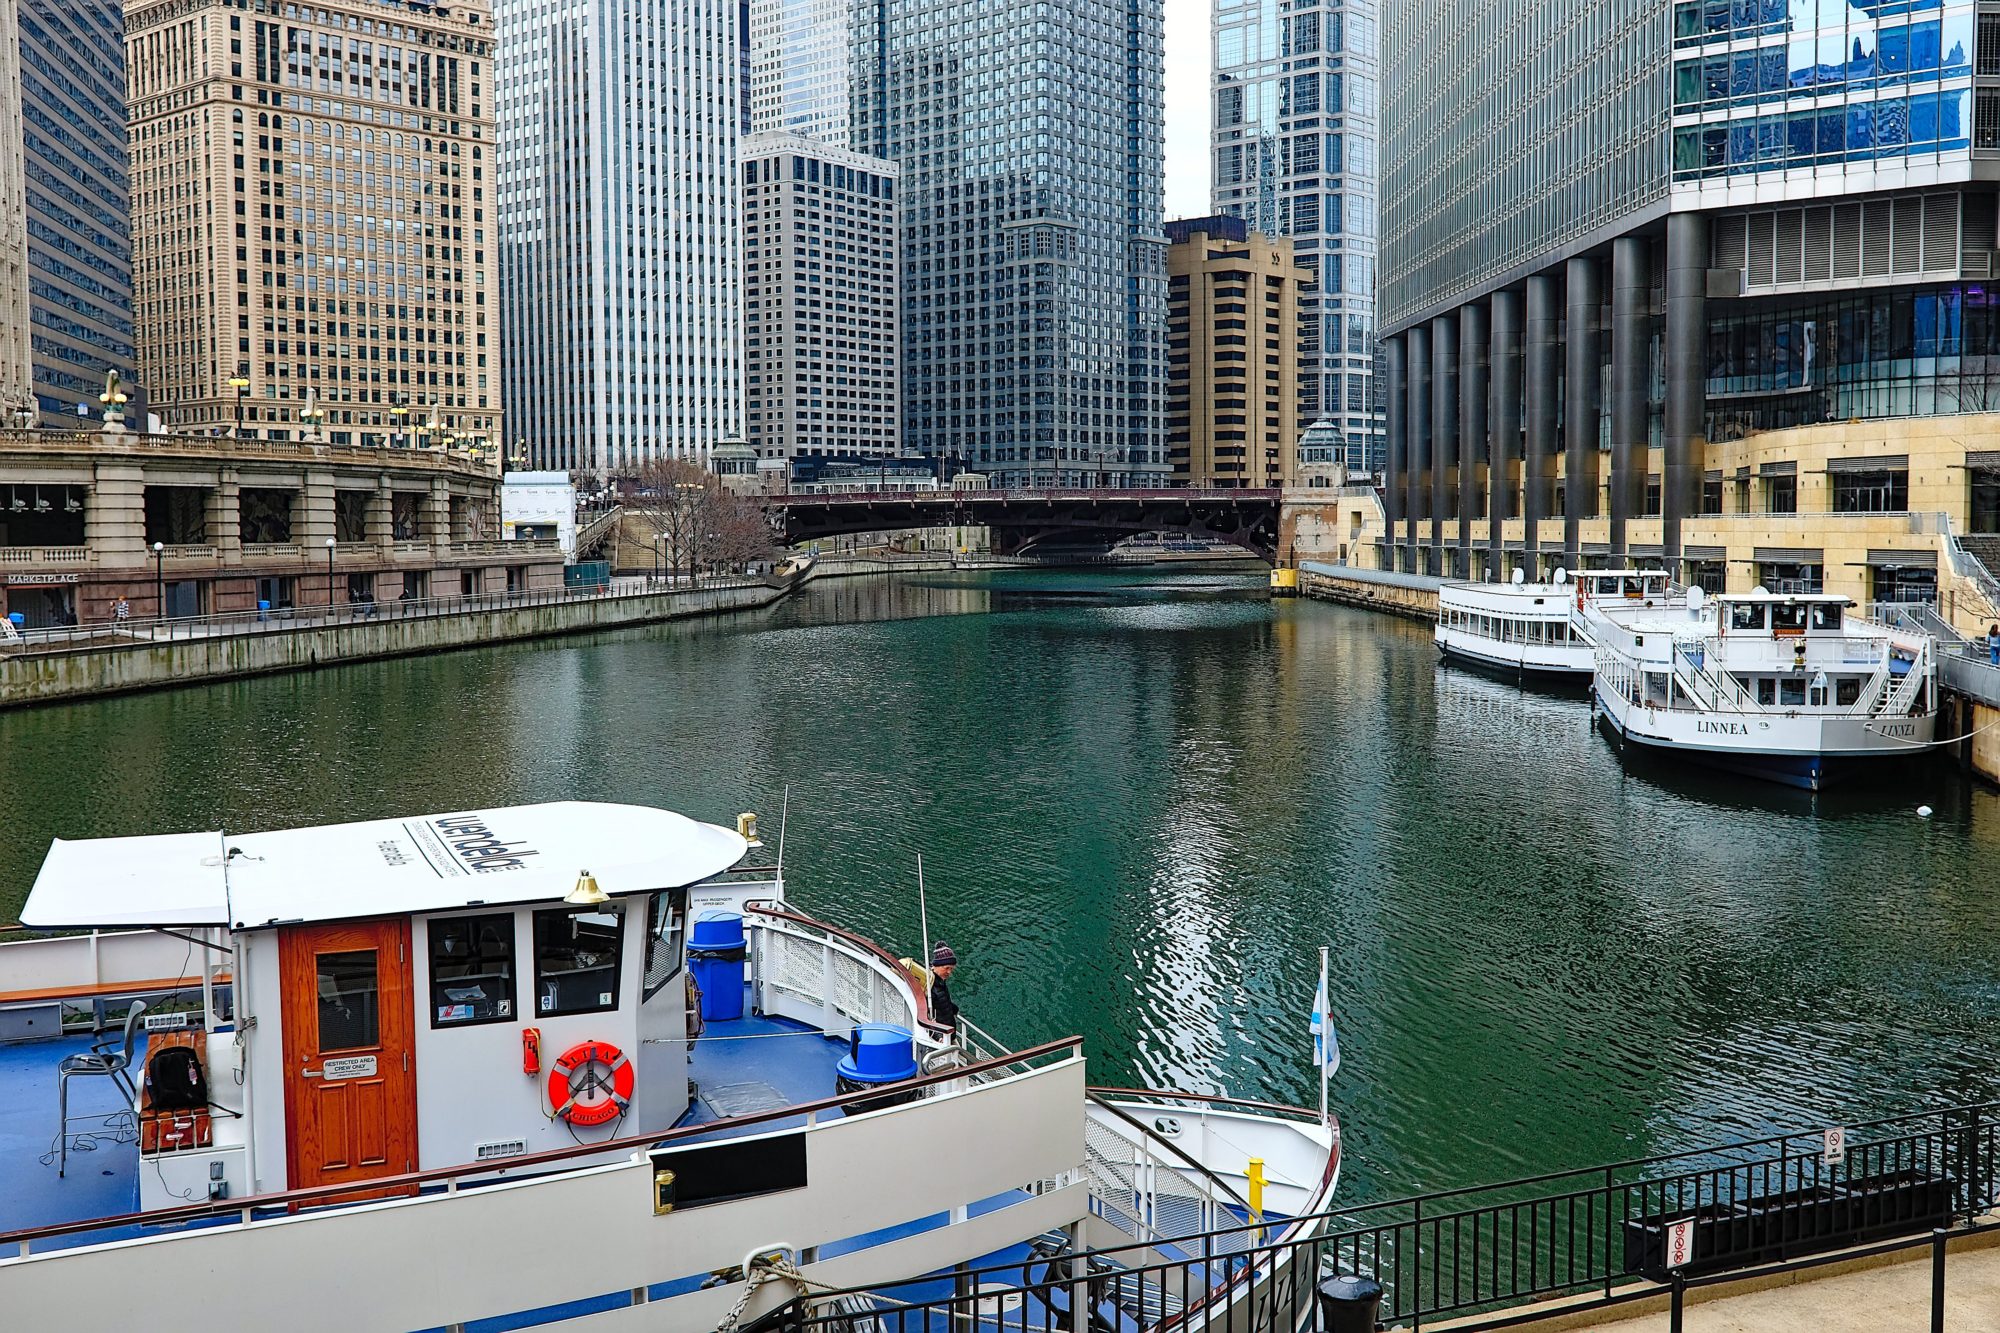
[1898, 700]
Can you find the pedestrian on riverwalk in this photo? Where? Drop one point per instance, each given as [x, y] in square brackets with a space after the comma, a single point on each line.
[121, 610]
[1993, 644]
[943, 963]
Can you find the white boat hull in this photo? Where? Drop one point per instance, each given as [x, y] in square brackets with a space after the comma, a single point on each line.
[1800, 749]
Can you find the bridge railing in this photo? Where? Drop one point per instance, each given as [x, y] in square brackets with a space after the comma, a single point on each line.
[1035, 493]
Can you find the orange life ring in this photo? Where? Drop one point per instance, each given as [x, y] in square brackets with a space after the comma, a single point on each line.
[615, 1082]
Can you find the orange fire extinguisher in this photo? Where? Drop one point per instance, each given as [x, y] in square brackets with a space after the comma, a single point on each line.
[531, 1051]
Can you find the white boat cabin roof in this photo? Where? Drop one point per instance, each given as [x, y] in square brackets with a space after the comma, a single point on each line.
[382, 867]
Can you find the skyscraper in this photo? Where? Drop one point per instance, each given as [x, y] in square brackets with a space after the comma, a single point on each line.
[1646, 231]
[820, 332]
[79, 205]
[1034, 273]
[311, 220]
[802, 62]
[1294, 137]
[620, 261]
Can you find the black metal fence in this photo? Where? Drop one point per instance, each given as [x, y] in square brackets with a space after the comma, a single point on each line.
[1764, 1204]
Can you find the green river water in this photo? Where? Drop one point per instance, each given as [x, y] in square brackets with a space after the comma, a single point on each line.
[1144, 801]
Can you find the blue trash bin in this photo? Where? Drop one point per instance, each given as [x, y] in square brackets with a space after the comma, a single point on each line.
[716, 951]
[878, 1054]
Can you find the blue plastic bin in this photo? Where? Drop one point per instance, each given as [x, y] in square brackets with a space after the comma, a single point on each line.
[878, 1054]
[716, 953]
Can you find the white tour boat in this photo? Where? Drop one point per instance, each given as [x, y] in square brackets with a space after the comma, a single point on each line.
[1523, 628]
[543, 1066]
[1787, 686]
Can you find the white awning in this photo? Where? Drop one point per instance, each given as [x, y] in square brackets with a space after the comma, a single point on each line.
[163, 879]
[386, 867]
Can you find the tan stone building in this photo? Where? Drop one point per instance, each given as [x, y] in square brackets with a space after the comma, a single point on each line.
[196, 525]
[1232, 355]
[311, 196]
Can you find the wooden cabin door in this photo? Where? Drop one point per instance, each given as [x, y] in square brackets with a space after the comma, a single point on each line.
[350, 1059]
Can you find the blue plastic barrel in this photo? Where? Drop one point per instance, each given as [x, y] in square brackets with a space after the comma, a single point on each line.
[716, 953]
[878, 1054]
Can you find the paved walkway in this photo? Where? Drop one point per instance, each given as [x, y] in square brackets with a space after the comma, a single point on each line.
[1893, 1298]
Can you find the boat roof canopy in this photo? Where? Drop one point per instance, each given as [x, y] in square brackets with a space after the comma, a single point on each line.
[382, 867]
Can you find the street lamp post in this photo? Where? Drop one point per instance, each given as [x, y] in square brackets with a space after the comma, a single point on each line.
[400, 409]
[159, 581]
[240, 382]
[330, 543]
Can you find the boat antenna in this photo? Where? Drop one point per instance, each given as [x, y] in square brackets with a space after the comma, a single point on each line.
[784, 808]
[923, 911]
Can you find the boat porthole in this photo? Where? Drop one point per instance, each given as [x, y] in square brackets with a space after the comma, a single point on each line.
[1167, 1126]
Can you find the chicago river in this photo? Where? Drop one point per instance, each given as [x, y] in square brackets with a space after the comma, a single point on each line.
[1143, 802]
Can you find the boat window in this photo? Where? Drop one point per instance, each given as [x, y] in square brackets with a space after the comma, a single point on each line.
[349, 995]
[666, 918]
[1826, 616]
[1767, 691]
[1791, 691]
[1847, 691]
[1746, 615]
[1535, 631]
[472, 969]
[1789, 616]
[576, 959]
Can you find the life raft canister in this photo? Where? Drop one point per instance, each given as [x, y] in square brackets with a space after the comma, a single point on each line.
[605, 1070]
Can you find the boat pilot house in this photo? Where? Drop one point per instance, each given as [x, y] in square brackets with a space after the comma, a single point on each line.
[405, 994]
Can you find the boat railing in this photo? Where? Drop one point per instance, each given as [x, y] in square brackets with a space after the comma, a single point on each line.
[1148, 1187]
[450, 1179]
[807, 969]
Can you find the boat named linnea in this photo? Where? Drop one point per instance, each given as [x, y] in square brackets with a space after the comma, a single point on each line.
[1787, 686]
[421, 1073]
[1536, 629]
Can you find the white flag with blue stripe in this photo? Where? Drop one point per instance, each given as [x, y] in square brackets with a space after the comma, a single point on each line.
[1326, 1042]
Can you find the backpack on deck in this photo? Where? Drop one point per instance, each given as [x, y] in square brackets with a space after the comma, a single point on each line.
[175, 1077]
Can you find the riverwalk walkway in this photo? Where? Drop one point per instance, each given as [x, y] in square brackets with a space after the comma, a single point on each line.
[1879, 1294]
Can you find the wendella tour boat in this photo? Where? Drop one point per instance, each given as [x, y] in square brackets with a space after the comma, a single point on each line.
[565, 1066]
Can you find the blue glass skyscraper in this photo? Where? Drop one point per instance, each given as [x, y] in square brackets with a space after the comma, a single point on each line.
[78, 196]
[1031, 144]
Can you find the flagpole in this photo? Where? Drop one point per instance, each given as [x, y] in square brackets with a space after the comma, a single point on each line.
[1326, 1021]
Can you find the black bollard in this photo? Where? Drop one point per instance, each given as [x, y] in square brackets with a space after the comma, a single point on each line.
[1348, 1303]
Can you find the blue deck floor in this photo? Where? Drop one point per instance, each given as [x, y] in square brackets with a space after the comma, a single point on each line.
[103, 1178]
[755, 1064]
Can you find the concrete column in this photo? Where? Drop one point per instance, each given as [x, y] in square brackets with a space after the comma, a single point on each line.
[1398, 462]
[382, 515]
[1686, 375]
[1444, 433]
[1473, 450]
[1504, 369]
[1631, 338]
[437, 515]
[1538, 398]
[225, 516]
[1582, 380]
[1418, 399]
[312, 521]
[114, 515]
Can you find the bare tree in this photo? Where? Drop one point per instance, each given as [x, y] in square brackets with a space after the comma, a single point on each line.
[693, 522]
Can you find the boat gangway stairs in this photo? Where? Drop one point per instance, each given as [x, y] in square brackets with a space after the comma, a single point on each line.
[1502, 1255]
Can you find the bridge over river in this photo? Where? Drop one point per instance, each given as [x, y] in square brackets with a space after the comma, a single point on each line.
[1022, 520]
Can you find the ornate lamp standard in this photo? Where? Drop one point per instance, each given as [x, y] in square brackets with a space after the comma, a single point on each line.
[240, 382]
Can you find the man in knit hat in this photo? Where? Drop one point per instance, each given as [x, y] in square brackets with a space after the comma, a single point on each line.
[943, 963]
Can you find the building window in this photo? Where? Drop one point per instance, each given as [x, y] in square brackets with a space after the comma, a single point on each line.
[1884, 492]
[1781, 495]
[472, 970]
[1711, 497]
[576, 960]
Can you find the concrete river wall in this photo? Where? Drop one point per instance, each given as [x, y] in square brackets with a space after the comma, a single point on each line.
[124, 665]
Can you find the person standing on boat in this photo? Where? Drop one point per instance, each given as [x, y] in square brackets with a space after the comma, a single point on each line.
[943, 963]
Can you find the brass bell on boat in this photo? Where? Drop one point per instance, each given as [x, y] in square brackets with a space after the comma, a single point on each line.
[586, 893]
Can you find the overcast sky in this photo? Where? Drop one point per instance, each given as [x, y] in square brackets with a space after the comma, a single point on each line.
[1187, 108]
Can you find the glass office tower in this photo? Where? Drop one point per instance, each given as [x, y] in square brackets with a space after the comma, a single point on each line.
[1030, 142]
[1618, 236]
[79, 207]
[1295, 147]
[620, 258]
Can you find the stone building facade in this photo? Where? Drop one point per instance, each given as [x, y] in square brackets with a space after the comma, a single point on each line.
[192, 525]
